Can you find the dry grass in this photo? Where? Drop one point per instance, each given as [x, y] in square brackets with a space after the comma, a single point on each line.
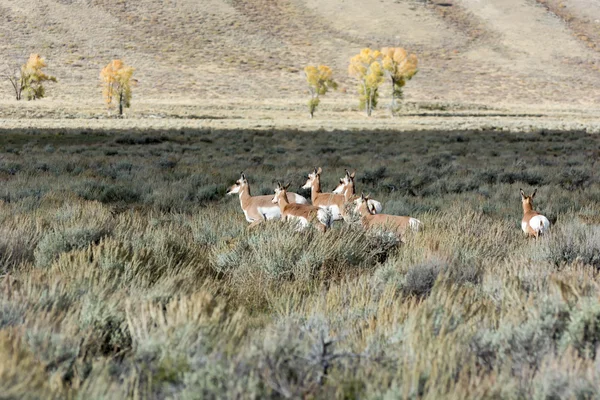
[127, 272]
[255, 50]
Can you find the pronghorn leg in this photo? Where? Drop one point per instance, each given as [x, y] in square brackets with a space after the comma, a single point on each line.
[254, 224]
[322, 228]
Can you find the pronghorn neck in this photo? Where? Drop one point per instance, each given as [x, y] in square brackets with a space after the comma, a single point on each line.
[364, 209]
[316, 188]
[282, 201]
[527, 207]
[245, 197]
[349, 192]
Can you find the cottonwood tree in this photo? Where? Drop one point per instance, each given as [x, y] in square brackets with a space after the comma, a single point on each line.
[29, 80]
[116, 84]
[399, 67]
[319, 82]
[367, 69]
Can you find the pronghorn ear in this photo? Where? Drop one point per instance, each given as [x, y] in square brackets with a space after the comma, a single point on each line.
[319, 171]
[341, 180]
[347, 172]
[278, 185]
[287, 186]
[534, 192]
[522, 194]
[362, 196]
[352, 175]
[243, 176]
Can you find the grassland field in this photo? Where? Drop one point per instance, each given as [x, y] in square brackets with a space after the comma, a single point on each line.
[127, 272]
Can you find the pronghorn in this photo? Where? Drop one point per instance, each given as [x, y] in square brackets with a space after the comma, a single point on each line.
[533, 223]
[303, 214]
[334, 202]
[395, 223]
[347, 188]
[259, 208]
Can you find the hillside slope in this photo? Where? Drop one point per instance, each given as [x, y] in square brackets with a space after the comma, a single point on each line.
[505, 51]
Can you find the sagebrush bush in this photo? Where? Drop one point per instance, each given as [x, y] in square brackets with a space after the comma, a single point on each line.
[573, 242]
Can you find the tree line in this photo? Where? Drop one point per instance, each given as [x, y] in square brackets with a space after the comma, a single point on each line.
[369, 67]
[28, 80]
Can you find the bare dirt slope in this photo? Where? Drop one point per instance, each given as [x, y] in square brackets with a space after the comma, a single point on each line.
[511, 53]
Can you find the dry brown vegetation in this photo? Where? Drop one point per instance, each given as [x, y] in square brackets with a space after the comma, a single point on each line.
[186, 51]
[128, 273]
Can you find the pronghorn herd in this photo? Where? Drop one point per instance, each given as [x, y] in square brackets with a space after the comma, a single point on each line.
[329, 207]
[325, 207]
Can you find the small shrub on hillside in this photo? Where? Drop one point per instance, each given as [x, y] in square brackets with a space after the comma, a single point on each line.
[523, 346]
[57, 242]
[277, 251]
[108, 329]
[574, 178]
[17, 243]
[372, 177]
[107, 192]
[583, 330]
[529, 177]
[141, 140]
[574, 242]
[420, 278]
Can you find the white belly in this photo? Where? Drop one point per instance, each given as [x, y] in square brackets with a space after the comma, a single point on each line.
[300, 221]
[335, 212]
[270, 212]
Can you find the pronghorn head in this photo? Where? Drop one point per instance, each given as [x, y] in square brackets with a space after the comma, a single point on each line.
[347, 182]
[527, 200]
[362, 204]
[280, 193]
[315, 175]
[239, 185]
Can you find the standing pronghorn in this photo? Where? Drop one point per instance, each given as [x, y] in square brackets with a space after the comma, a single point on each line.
[347, 188]
[334, 202]
[395, 223]
[303, 214]
[533, 223]
[259, 208]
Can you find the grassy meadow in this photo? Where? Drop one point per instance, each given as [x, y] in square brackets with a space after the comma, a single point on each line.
[127, 272]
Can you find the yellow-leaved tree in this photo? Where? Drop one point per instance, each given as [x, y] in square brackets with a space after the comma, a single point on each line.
[400, 67]
[116, 84]
[319, 82]
[30, 78]
[367, 69]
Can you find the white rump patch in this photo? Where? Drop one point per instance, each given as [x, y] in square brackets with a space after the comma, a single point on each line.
[375, 206]
[269, 212]
[539, 224]
[299, 199]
